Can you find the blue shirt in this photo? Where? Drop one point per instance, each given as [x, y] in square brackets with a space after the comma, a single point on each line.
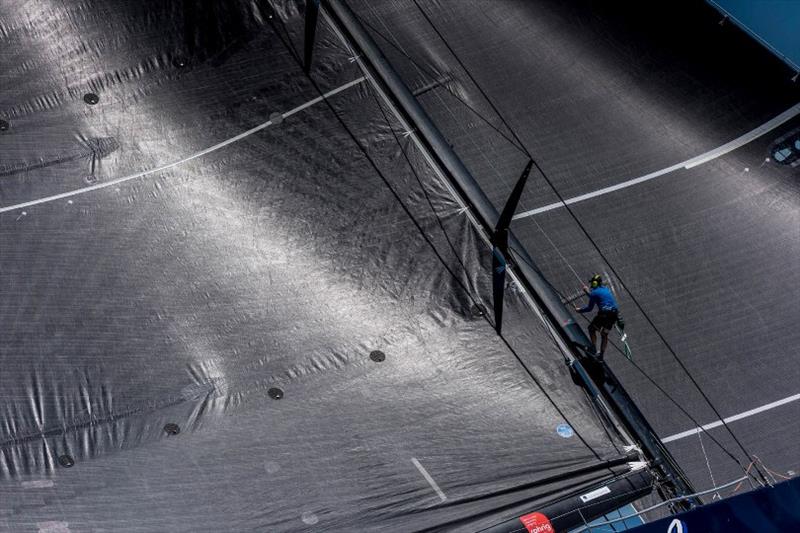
[602, 297]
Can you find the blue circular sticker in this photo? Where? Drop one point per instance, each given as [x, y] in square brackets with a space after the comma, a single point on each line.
[565, 430]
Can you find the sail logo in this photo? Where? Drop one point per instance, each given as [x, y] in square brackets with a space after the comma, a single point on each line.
[678, 526]
[537, 523]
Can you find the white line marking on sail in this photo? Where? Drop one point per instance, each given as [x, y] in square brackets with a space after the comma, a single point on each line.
[688, 164]
[201, 153]
[733, 418]
[429, 479]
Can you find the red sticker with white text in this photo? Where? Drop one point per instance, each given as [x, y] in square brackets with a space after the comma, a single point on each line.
[537, 523]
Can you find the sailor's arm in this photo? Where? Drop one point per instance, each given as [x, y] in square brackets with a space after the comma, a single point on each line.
[588, 306]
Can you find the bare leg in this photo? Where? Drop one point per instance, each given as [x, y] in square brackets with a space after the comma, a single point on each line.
[593, 337]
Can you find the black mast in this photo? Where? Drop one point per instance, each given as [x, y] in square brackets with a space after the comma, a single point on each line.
[440, 153]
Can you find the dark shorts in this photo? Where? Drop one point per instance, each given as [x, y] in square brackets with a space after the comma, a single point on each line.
[604, 320]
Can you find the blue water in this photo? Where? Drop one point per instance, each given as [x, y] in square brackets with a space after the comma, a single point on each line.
[776, 23]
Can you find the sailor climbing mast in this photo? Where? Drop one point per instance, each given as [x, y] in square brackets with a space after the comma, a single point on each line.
[511, 256]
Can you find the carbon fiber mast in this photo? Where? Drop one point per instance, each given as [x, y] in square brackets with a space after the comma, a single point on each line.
[592, 374]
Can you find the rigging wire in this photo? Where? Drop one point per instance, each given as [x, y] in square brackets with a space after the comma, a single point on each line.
[290, 47]
[668, 502]
[672, 461]
[655, 384]
[550, 241]
[434, 76]
[452, 246]
[639, 368]
[591, 240]
[708, 465]
[558, 251]
[749, 478]
[771, 472]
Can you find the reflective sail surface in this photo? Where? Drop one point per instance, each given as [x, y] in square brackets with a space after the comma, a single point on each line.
[660, 130]
[230, 303]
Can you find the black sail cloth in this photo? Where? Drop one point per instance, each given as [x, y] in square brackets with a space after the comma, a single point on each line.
[189, 348]
[604, 93]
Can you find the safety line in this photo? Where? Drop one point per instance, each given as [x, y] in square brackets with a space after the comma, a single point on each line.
[733, 418]
[661, 504]
[429, 479]
[688, 164]
[201, 153]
